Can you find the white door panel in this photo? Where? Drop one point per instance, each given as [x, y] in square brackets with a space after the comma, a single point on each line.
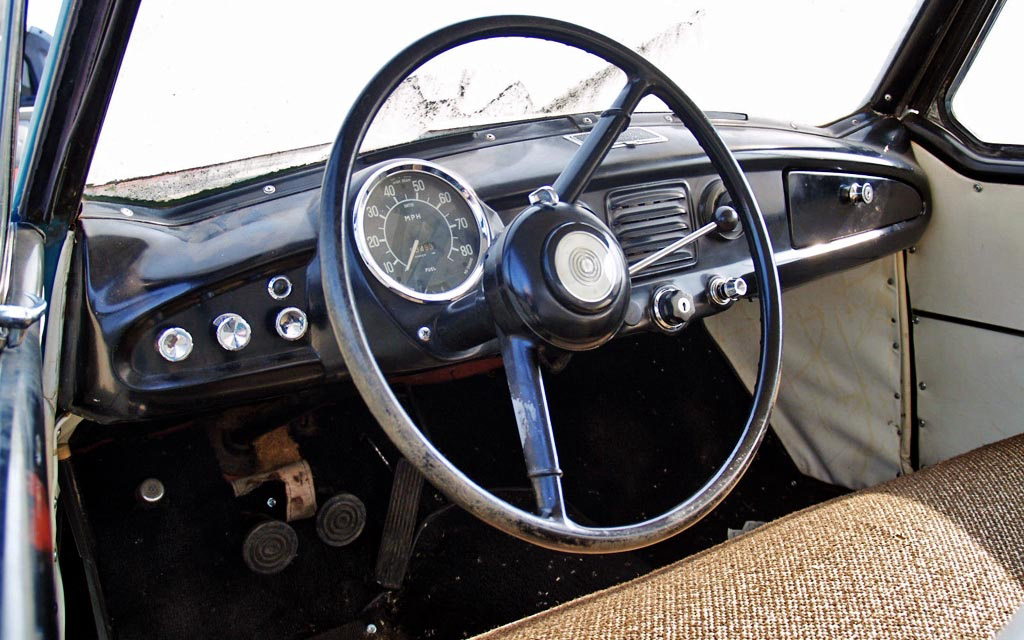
[968, 347]
[973, 387]
[971, 257]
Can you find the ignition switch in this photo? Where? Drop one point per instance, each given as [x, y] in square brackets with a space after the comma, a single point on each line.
[671, 308]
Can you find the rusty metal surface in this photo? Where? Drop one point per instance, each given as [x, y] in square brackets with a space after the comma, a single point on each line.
[297, 478]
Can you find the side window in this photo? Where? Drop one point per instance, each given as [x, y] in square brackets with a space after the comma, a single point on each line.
[28, 85]
[987, 100]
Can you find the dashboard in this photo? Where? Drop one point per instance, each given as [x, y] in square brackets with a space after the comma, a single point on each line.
[217, 300]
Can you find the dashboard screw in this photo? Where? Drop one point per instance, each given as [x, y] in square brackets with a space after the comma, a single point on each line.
[269, 189]
[978, 187]
[423, 333]
[922, 386]
[151, 490]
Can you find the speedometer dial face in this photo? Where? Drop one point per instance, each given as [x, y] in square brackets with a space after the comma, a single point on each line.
[421, 231]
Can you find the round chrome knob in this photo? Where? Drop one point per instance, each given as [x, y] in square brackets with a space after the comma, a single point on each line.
[233, 332]
[174, 344]
[867, 193]
[724, 291]
[291, 323]
[279, 287]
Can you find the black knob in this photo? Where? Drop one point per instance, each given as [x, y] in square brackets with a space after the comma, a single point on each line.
[727, 219]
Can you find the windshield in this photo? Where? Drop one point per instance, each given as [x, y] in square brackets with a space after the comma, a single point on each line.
[207, 83]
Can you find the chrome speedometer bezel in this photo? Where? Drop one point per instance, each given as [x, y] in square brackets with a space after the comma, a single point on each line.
[459, 185]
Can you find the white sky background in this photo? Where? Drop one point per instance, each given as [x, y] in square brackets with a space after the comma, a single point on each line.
[206, 82]
[996, 72]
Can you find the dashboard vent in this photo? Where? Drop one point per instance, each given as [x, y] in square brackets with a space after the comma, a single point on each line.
[648, 218]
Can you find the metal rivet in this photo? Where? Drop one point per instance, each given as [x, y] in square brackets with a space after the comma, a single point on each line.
[922, 386]
[271, 503]
[895, 345]
[892, 320]
[151, 490]
[891, 281]
[887, 98]
[912, 249]
[854, 121]
[916, 320]
[371, 629]
[423, 333]
[489, 137]
[588, 120]
[125, 211]
[896, 395]
[978, 187]
[269, 189]
[668, 118]
[921, 424]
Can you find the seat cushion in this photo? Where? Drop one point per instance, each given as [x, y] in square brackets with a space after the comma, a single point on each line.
[939, 553]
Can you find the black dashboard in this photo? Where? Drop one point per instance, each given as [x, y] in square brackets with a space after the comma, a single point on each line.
[234, 276]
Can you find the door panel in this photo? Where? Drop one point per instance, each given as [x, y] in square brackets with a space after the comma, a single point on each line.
[973, 387]
[970, 259]
[969, 336]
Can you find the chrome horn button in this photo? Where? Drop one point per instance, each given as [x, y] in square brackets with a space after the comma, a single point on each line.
[585, 268]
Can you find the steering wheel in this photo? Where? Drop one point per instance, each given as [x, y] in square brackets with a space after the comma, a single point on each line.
[532, 300]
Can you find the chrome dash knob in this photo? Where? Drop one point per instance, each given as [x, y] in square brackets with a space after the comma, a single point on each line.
[174, 344]
[291, 323]
[857, 192]
[233, 332]
[724, 292]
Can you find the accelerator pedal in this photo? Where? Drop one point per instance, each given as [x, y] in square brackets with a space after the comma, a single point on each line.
[399, 526]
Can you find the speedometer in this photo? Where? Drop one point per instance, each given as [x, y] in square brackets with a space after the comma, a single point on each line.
[421, 231]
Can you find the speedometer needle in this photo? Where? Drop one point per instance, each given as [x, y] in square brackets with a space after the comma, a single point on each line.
[415, 246]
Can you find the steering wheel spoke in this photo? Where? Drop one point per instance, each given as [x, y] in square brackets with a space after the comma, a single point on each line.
[526, 386]
[577, 174]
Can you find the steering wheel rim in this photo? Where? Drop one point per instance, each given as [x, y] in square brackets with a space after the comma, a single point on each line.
[555, 531]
